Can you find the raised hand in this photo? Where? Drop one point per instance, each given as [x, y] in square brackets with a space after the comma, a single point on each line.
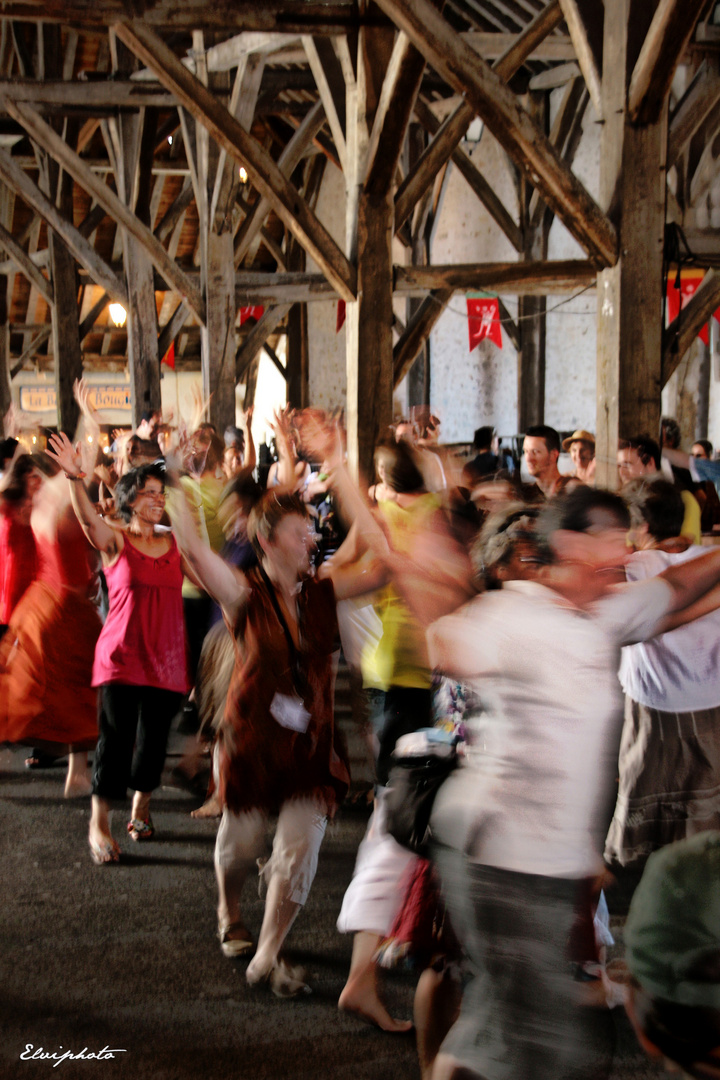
[68, 457]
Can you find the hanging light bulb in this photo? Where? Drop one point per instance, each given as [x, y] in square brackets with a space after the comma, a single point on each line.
[242, 173]
[118, 314]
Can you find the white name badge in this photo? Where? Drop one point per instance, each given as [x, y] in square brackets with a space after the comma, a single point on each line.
[290, 712]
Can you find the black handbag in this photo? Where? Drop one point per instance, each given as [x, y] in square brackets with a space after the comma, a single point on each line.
[414, 782]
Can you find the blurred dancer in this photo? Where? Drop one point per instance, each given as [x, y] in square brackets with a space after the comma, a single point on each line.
[46, 654]
[517, 829]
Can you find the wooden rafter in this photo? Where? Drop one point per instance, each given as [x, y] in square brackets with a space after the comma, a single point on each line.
[682, 331]
[399, 90]
[327, 72]
[81, 250]
[452, 130]
[35, 345]
[417, 332]
[296, 17]
[520, 278]
[509, 123]
[100, 94]
[26, 265]
[287, 163]
[578, 16]
[242, 106]
[670, 31]
[692, 111]
[568, 119]
[257, 337]
[484, 191]
[105, 196]
[267, 177]
[172, 328]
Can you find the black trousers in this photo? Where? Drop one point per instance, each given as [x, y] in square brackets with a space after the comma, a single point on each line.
[134, 723]
[393, 713]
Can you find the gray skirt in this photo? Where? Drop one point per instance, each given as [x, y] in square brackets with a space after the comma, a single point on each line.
[669, 780]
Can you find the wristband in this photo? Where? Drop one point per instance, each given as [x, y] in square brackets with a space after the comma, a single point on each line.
[75, 476]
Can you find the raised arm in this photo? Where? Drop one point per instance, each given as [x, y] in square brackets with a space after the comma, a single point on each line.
[223, 582]
[105, 539]
[250, 460]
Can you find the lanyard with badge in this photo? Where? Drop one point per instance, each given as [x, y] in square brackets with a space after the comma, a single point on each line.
[288, 709]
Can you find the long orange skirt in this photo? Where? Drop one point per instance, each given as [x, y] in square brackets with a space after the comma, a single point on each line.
[46, 658]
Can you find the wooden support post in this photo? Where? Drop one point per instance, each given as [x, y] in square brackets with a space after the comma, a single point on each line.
[65, 318]
[532, 309]
[298, 357]
[369, 334]
[629, 295]
[217, 337]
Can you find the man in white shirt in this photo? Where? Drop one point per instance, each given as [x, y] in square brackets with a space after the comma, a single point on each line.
[519, 828]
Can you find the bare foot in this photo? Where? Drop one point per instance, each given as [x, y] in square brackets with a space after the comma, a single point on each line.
[77, 787]
[369, 1007]
[210, 808]
[103, 848]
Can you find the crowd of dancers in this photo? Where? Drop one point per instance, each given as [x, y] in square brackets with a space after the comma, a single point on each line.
[475, 609]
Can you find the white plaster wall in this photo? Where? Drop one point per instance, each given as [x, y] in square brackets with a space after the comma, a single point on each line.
[326, 376]
[470, 389]
[571, 339]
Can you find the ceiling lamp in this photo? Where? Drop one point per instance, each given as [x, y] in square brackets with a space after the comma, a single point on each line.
[118, 314]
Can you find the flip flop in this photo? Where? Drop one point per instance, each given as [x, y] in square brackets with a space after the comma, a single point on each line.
[233, 947]
[99, 853]
[141, 830]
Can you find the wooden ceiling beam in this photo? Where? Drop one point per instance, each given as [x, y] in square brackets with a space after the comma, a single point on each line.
[530, 278]
[257, 337]
[417, 332]
[682, 331]
[691, 113]
[484, 191]
[510, 124]
[175, 211]
[584, 23]
[37, 343]
[105, 196]
[298, 17]
[92, 93]
[670, 31]
[452, 130]
[242, 106]
[81, 250]
[288, 161]
[267, 177]
[88, 323]
[172, 328]
[328, 75]
[400, 88]
[570, 112]
[26, 265]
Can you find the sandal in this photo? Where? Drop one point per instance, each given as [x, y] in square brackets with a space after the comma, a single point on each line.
[99, 852]
[284, 981]
[235, 946]
[141, 830]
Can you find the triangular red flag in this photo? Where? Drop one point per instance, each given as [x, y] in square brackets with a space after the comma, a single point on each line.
[169, 357]
[340, 316]
[251, 313]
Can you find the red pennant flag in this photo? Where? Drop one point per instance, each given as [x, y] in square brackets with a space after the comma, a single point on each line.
[169, 357]
[679, 298]
[251, 313]
[483, 320]
[340, 316]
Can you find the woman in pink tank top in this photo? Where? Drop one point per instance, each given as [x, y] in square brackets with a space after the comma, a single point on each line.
[140, 667]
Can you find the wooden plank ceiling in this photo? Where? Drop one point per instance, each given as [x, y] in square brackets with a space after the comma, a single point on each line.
[64, 73]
